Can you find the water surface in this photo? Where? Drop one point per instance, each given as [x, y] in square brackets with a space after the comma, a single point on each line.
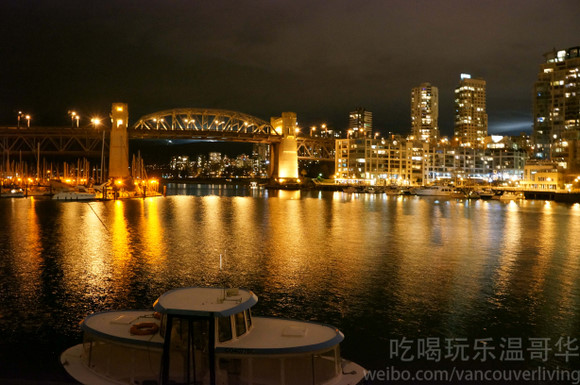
[378, 267]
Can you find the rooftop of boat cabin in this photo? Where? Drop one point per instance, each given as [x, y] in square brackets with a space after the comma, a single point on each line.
[205, 301]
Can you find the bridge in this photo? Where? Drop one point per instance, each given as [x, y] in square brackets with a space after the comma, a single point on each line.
[286, 143]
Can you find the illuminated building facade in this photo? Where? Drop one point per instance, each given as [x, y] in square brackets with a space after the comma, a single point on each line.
[470, 112]
[557, 109]
[374, 161]
[453, 163]
[425, 112]
[360, 123]
[543, 175]
[405, 162]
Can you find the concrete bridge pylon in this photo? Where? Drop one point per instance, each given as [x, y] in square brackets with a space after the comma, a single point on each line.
[284, 155]
[119, 142]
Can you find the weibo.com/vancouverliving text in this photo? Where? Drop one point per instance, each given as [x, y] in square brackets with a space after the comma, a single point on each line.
[455, 353]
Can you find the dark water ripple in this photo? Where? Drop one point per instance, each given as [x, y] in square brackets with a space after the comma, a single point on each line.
[378, 267]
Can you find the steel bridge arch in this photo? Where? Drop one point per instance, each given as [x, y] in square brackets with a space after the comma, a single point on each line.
[204, 119]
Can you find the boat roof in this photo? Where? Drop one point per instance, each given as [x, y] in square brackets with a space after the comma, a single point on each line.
[205, 301]
[115, 325]
[282, 336]
[267, 335]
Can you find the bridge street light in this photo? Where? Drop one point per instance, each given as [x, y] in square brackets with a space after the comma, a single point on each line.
[19, 116]
[28, 120]
[72, 114]
[189, 122]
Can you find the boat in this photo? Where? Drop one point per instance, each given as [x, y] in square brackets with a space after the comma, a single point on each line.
[12, 193]
[74, 196]
[486, 194]
[511, 196]
[481, 194]
[207, 335]
[81, 193]
[370, 190]
[459, 193]
[434, 190]
[393, 190]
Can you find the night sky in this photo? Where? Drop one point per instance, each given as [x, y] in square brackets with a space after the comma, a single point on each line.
[320, 59]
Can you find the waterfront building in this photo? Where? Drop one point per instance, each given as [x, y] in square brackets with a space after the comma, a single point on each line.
[501, 160]
[425, 112]
[470, 112]
[360, 123]
[543, 175]
[410, 162]
[446, 162]
[556, 106]
[507, 157]
[374, 161]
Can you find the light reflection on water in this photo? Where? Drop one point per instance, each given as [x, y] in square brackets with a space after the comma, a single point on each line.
[376, 266]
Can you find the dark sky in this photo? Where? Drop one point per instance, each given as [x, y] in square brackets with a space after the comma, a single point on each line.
[320, 59]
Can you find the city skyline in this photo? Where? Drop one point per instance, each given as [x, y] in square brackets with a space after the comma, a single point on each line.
[309, 58]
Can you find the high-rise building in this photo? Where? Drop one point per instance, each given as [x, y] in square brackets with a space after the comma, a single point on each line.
[360, 123]
[556, 102]
[425, 112]
[470, 112]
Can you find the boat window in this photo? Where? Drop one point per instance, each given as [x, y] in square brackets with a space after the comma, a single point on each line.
[327, 365]
[240, 324]
[249, 318]
[224, 329]
[187, 359]
[298, 369]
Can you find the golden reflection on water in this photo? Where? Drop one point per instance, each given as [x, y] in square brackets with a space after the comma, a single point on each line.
[506, 276]
[120, 239]
[288, 194]
[183, 210]
[213, 227]
[24, 239]
[151, 229]
[93, 255]
[286, 229]
[413, 262]
[243, 213]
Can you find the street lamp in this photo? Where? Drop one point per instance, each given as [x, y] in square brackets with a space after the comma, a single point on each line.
[313, 128]
[72, 118]
[19, 115]
[95, 122]
[28, 120]
[77, 117]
